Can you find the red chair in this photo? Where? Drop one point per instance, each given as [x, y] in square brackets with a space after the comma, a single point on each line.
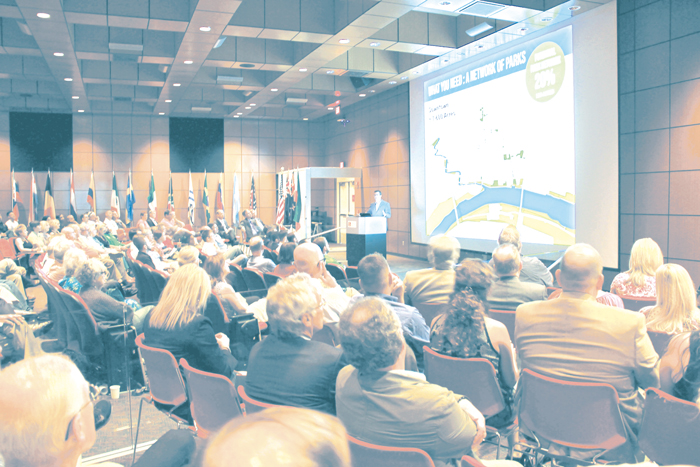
[507, 317]
[251, 405]
[215, 311]
[337, 272]
[636, 304]
[670, 429]
[236, 280]
[161, 374]
[353, 276]
[660, 341]
[474, 378]
[366, 454]
[271, 279]
[213, 400]
[254, 279]
[431, 310]
[579, 415]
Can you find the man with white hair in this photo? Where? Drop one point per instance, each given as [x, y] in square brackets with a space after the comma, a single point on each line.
[56, 271]
[435, 284]
[575, 338]
[509, 291]
[257, 260]
[288, 368]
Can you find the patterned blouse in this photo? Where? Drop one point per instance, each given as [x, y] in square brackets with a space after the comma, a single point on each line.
[622, 284]
[70, 283]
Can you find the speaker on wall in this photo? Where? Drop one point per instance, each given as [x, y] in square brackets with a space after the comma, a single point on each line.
[41, 141]
[196, 144]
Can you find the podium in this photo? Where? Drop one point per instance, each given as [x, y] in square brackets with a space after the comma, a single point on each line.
[365, 235]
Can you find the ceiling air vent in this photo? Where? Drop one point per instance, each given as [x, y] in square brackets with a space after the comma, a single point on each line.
[229, 79]
[484, 9]
[296, 101]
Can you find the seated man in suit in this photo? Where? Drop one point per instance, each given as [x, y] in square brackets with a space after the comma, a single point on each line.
[508, 291]
[225, 230]
[437, 283]
[252, 225]
[288, 368]
[533, 269]
[380, 402]
[575, 338]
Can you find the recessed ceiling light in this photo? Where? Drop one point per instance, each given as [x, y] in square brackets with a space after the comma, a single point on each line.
[205, 29]
[58, 54]
[330, 108]
[404, 77]
[168, 100]
[176, 84]
[219, 43]
[302, 70]
[392, 82]
[363, 95]
[188, 62]
[546, 19]
[81, 111]
[67, 79]
[43, 15]
[305, 118]
[253, 105]
[574, 8]
[274, 89]
[247, 107]
[236, 116]
[240, 113]
[330, 72]
[161, 113]
[374, 44]
[344, 41]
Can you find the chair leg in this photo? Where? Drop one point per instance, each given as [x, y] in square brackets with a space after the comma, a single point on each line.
[136, 438]
[498, 445]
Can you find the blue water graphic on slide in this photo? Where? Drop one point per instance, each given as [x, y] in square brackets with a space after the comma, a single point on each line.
[558, 209]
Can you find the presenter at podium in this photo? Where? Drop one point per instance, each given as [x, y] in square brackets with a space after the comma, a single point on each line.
[379, 208]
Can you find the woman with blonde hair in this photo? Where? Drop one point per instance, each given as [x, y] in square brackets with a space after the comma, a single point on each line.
[177, 324]
[675, 310]
[188, 255]
[640, 280]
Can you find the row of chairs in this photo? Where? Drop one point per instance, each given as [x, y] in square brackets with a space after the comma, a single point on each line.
[149, 282]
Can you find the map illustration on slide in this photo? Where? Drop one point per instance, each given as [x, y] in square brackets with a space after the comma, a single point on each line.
[499, 145]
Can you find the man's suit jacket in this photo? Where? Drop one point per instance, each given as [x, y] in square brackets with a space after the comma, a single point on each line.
[578, 339]
[247, 224]
[399, 408]
[509, 292]
[145, 259]
[383, 210]
[151, 222]
[429, 285]
[294, 371]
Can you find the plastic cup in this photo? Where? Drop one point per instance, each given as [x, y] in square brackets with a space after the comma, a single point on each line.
[114, 391]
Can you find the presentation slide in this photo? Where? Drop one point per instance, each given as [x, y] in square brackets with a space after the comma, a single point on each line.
[499, 145]
[525, 134]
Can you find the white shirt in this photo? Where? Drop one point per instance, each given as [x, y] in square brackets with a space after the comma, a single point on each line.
[111, 225]
[11, 225]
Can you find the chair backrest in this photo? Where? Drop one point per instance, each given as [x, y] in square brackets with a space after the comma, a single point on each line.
[351, 272]
[143, 288]
[236, 280]
[7, 248]
[251, 405]
[213, 401]
[474, 378]
[254, 279]
[271, 279]
[660, 341]
[507, 317]
[81, 326]
[579, 415]
[670, 429]
[324, 335]
[162, 374]
[337, 272]
[430, 310]
[156, 281]
[367, 454]
[636, 304]
[56, 308]
[216, 313]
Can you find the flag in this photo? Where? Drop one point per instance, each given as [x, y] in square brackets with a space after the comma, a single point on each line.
[297, 210]
[280, 200]
[205, 198]
[114, 205]
[49, 208]
[152, 202]
[190, 204]
[171, 201]
[73, 204]
[253, 200]
[236, 200]
[91, 194]
[33, 201]
[289, 204]
[219, 201]
[15, 197]
[130, 201]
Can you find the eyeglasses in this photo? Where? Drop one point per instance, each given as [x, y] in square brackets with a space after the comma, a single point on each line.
[323, 260]
[94, 392]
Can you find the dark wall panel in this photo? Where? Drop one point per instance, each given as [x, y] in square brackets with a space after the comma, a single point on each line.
[196, 144]
[41, 141]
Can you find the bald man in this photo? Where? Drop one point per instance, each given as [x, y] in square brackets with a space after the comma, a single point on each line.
[575, 338]
[509, 291]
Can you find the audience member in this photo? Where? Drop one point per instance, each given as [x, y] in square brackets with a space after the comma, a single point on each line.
[377, 280]
[287, 367]
[142, 224]
[110, 222]
[679, 368]
[257, 260]
[233, 302]
[11, 222]
[533, 269]
[252, 225]
[406, 411]
[434, 285]
[224, 229]
[208, 246]
[286, 267]
[323, 245]
[81, 237]
[676, 310]
[640, 280]
[464, 331]
[188, 255]
[169, 220]
[10, 272]
[72, 260]
[142, 248]
[177, 325]
[575, 338]
[280, 436]
[35, 237]
[57, 271]
[508, 291]
[151, 220]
